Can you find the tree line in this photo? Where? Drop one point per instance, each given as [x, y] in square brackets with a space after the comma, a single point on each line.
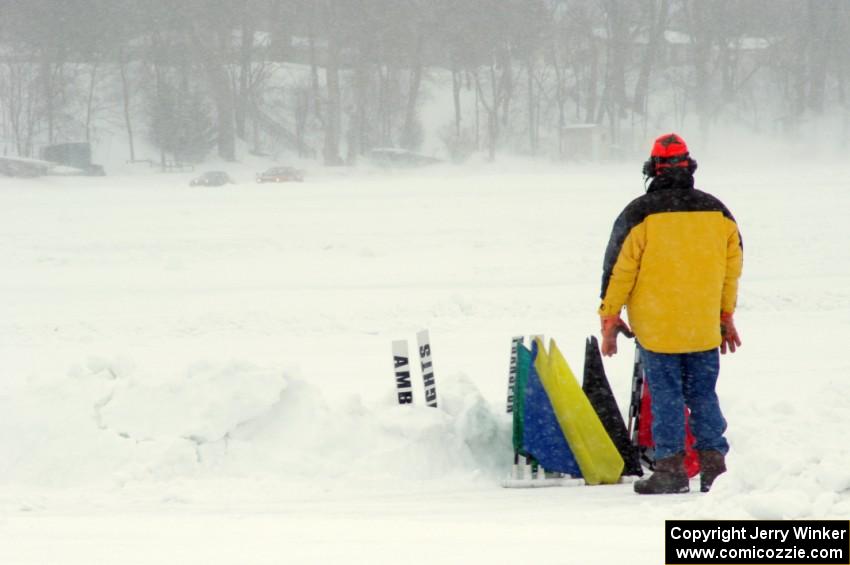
[334, 79]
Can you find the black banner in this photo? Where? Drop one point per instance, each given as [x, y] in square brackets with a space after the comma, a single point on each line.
[759, 542]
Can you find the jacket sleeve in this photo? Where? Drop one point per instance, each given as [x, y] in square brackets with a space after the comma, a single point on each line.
[734, 266]
[622, 263]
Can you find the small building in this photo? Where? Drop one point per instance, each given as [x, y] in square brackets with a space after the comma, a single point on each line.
[22, 167]
[76, 155]
[581, 142]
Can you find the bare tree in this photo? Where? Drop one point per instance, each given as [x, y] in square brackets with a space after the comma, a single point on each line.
[656, 12]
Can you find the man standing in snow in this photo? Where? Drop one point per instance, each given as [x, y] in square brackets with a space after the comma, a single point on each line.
[673, 260]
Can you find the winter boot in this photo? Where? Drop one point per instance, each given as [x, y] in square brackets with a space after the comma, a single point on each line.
[711, 465]
[669, 477]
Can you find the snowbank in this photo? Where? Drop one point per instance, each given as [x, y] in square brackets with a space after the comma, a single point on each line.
[226, 351]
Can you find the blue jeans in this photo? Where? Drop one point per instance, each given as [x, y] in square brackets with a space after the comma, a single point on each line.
[677, 380]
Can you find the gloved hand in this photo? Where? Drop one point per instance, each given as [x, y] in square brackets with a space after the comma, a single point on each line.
[728, 333]
[611, 327]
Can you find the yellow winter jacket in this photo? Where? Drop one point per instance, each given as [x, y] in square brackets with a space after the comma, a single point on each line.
[674, 260]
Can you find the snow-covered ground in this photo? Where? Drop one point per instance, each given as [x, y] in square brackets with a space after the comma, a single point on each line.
[204, 375]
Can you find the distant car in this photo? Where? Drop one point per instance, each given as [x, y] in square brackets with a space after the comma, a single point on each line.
[212, 178]
[281, 174]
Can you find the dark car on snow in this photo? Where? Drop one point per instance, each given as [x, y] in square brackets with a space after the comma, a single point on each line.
[212, 178]
[280, 174]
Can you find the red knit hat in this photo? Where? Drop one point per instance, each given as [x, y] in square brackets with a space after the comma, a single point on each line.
[670, 150]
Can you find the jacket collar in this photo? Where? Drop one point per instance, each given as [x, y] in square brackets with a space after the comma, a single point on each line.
[673, 179]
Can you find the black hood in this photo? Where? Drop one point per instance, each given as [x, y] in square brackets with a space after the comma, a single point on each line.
[676, 179]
